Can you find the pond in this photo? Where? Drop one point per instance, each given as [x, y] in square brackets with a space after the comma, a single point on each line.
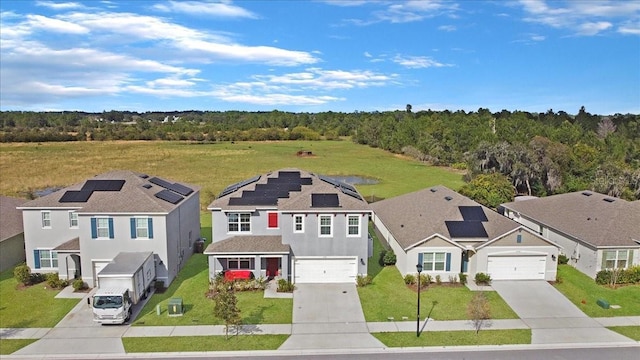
[355, 180]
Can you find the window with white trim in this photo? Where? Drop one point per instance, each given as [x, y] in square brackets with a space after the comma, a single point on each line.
[239, 222]
[102, 227]
[46, 219]
[48, 259]
[325, 225]
[73, 219]
[142, 227]
[434, 261]
[239, 263]
[298, 223]
[353, 225]
[616, 259]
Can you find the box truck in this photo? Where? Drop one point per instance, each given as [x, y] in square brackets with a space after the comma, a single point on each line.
[125, 281]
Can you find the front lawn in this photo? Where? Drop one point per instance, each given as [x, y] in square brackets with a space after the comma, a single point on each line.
[388, 296]
[202, 343]
[632, 332]
[8, 346]
[30, 307]
[584, 292]
[455, 338]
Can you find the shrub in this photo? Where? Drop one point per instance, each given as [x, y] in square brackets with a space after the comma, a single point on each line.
[621, 276]
[389, 258]
[364, 280]
[463, 278]
[54, 281]
[562, 259]
[285, 285]
[78, 285]
[37, 278]
[425, 280]
[383, 253]
[22, 273]
[482, 279]
[438, 280]
[453, 279]
[409, 279]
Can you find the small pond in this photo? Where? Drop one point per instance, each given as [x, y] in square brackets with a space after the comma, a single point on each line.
[355, 180]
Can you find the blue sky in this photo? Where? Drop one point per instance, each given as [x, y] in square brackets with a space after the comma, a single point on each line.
[313, 56]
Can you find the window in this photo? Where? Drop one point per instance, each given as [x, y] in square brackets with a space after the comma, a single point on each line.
[616, 259]
[102, 228]
[298, 223]
[273, 220]
[239, 264]
[46, 219]
[73, 219]
[325, 225]
[239, 222]
[142, 228]
[436, 261]
[45, 259]
[353, 225]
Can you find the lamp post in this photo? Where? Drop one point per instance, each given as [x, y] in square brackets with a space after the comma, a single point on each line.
[419, 268]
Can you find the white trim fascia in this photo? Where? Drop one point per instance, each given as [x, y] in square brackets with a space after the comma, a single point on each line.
[416, 244]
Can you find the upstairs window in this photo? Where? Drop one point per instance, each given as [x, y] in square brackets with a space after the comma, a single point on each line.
[325, 224]
[73, 219]
[353, 225]
[102, 228]
[142, 228]
[298, 223]
[46, 219]
[239, 222]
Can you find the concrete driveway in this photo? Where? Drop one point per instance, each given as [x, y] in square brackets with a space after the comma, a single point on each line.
[328, 316]
[551, 316]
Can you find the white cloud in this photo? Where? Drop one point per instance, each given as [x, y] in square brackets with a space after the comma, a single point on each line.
[55, 25]
[59, 6]
[200, 8]
[418, 62]
[593, 28]
[397, 12]
[448, 28]
[630, 28]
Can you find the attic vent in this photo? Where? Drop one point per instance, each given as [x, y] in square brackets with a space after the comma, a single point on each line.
[434, 190]
[144, 176]
[448, 198]
[586, 193]
[147, 186]
[609, 200]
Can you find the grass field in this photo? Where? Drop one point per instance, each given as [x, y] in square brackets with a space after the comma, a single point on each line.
[632, 332]
[203, 343]
[33, 166]
[455, 338]
[8, 346]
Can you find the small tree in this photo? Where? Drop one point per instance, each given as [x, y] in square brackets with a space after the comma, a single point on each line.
[226, 307]
[22, 273]
[479, 310]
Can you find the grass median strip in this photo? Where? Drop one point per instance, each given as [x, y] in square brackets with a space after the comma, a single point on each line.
[455, 338]
[9, 346]
[203, 343]
[632, 332]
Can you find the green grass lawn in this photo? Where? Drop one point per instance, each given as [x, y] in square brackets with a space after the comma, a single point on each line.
[30, 307]
[203, 343]
[8, 346]
[632, 332]
[577, 287]
[455, 338]
[212, 166]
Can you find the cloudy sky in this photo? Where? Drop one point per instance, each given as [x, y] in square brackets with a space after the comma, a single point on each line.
[312, 56]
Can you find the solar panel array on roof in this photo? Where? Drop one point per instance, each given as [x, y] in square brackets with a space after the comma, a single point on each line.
[344, 187]
[88, 188]
[267, 193]
[232, 188]
[168, 196]
[175, 187]
[351, 193]
[324, 200]
[466, 229]
[472, 213]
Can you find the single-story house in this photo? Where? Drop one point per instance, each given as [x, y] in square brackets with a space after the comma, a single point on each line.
[451, 234]
[292, 224]
[11, 233]
[596, 231]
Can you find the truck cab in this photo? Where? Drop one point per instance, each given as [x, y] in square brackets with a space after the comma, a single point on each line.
[112, 306]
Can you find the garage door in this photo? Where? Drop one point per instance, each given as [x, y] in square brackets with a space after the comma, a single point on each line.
[517, 267]
[326, 270]
[97, 267]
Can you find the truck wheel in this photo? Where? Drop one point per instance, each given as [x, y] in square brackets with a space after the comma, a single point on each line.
[128, 316]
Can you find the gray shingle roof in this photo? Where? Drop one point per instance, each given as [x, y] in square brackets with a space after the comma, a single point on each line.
[297, 200]
[416, 216]
[249, 244]
[72, 245]
[10, 217]
[125, 263]
[590, 219]
[132, 198]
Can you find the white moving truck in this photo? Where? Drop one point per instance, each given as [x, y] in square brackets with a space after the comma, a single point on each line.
[121, 284]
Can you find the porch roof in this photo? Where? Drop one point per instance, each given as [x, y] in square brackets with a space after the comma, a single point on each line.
[255, 244]
[71, 246]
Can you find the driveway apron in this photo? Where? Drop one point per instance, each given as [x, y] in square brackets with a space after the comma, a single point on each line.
[328, 316]
[551, 316]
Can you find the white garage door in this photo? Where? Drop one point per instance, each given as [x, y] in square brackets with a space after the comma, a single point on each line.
[97, 267]
[326, 270]
[517, 267]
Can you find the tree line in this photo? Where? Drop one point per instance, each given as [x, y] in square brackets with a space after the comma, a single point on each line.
[537, 153]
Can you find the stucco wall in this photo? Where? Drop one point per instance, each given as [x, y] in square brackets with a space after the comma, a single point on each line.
[12, 252]
[37, 237]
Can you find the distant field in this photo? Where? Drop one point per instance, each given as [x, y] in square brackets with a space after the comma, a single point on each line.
[34, 166]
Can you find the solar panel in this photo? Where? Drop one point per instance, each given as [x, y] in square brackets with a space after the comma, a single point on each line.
[75, 196]
[472, 213]
[329, 180]
[348, 187]
[351, 193]
[306, 181]
[324, 200]
[181, 189]
[466, 229]
[249, 181]
[289, 174]
[169, 196]
[160, 182]
[227, 191]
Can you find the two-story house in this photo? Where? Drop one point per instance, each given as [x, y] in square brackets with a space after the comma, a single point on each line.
[290, 223]
[79, 230]
[11, 233]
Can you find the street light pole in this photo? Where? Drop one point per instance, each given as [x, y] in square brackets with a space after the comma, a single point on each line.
[419, 268]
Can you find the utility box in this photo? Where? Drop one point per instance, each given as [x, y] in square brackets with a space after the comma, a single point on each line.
[175, 307]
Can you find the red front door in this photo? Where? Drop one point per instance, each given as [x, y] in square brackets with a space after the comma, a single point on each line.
[272, 267]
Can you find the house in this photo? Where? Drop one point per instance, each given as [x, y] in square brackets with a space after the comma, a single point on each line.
[79, 230]
[11, 233]
[301, 226]
[451, 234]
[596, 231]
